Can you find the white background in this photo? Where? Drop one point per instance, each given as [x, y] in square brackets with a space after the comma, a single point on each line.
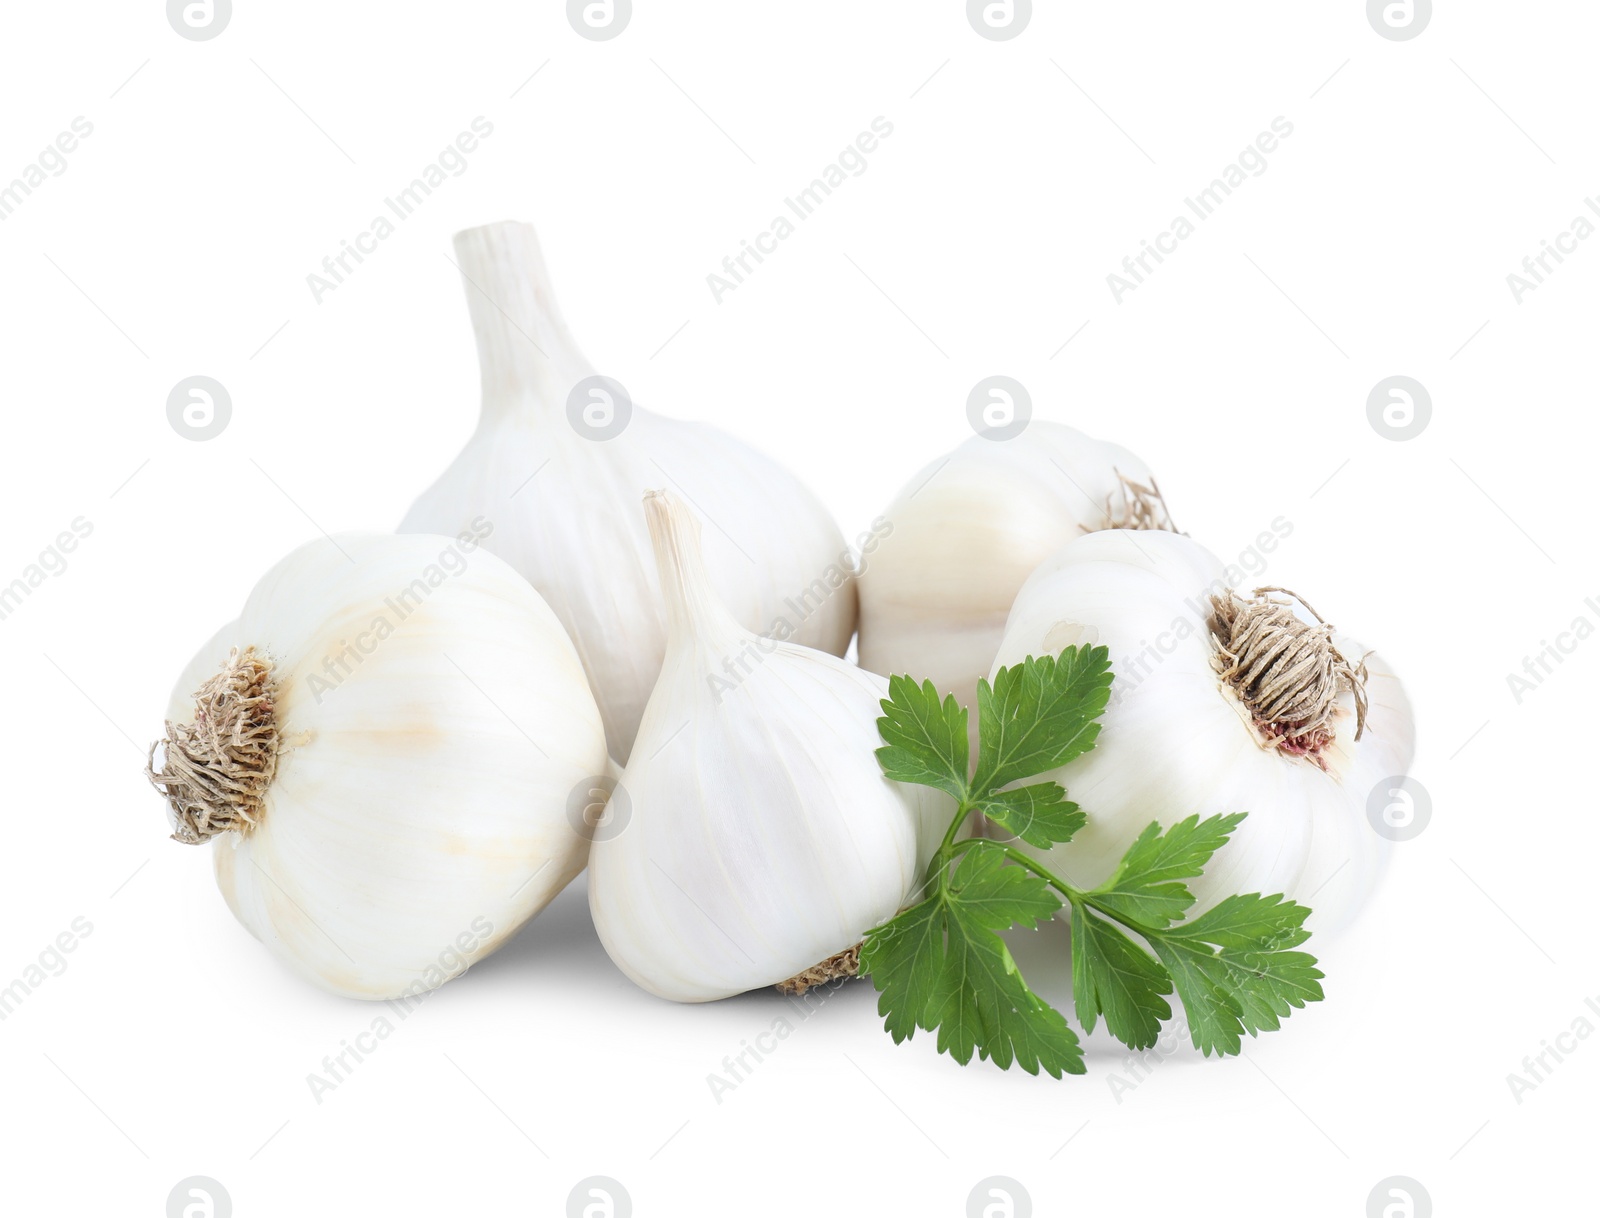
[1378, 241]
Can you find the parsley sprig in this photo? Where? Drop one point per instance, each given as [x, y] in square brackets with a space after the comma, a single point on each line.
[942, 966]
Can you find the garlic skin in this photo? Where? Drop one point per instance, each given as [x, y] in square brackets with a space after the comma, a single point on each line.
[969, 529]
[756, 835]
[432, 719]
[564, 494]
[1177, 737]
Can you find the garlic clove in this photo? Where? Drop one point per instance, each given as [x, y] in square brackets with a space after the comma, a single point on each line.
[1178, 738]
[760, 838]
[431, 719]
[558, 462]
[969, 529]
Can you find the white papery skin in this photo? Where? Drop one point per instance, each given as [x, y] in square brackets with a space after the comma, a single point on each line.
[421, 798]
[565, 506]
[1176, 739]
[967, 531]
[756, 835]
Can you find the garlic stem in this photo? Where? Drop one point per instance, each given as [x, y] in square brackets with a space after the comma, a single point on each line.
[939, 871]
[525, 350]
[693, 610]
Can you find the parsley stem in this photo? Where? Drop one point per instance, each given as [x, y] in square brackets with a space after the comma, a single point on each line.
[1027, 861]
[939, 865]
[963, 811]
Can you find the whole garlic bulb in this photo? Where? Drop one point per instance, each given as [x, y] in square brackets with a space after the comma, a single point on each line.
[558, 462]
[1220, 703]
[755, 838]
[382, 749]
[969, 529]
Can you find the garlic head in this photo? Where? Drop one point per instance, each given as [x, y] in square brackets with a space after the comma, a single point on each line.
[381, 751]
[559, 460]
[969, 529]
[1221, 703]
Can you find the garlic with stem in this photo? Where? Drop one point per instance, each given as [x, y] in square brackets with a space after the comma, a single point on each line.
[382, 750]
[1222, 703]
[559, 460]
[969, 529]
[756, 839]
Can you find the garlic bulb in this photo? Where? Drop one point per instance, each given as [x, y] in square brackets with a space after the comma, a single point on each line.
[382, 747]
[755, 839]
[969, 529]
[1220, 703]
[558, 462]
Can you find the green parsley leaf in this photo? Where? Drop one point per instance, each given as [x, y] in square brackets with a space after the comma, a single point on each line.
[941, 966]
[1040, 714]
[1146, 888]
[1040, 814]
[1114, 976]
[1233, 971]
[925, 740]
[1251, 921]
